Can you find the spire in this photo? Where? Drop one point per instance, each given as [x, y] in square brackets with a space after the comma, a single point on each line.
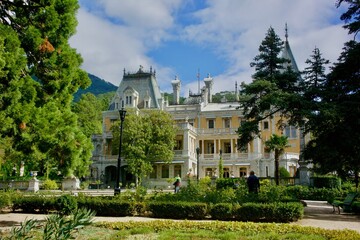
[286, 32]
[236, 92]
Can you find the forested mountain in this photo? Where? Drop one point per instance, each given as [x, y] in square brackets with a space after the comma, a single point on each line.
[98, 86]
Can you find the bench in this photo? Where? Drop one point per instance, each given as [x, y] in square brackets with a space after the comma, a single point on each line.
[346, 204]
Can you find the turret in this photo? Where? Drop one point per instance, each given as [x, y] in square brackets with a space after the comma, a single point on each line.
[176, 83]
[208, 84]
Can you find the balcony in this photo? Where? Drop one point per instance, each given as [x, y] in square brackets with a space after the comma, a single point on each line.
[217, 131]
[228, 158]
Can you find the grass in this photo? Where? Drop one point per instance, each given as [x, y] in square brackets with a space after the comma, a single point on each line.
[203, 230]
[147, 233]
[169, 230]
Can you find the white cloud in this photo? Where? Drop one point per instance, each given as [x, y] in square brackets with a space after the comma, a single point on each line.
[121, 33]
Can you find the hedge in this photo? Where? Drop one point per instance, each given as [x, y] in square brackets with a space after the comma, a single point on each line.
[103, 207]
[269, 212]
[178, 210]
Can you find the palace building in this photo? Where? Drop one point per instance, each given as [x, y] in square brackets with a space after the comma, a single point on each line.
[207, 132]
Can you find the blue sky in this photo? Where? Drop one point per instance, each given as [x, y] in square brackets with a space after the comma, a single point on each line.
[182, 37]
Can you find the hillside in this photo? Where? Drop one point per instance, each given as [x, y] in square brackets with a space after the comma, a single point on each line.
[98, 86]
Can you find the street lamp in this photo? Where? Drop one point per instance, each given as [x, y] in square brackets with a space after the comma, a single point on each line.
[198, 163]
[117, 189]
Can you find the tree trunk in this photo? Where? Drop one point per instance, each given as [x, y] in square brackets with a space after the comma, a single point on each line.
[277, 173]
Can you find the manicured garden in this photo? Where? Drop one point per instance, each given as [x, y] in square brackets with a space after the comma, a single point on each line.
[233, 208]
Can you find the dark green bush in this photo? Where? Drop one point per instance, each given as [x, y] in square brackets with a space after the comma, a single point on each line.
[309, 193]
[107, 206]
[269, 212]
[356, 207]
[222, 183]
[178, 210]
[326, 182]
[221, 211]
[34, 204]
[66, 204]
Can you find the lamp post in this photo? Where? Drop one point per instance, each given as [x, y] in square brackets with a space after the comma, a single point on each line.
[117, 189]
[198, 163]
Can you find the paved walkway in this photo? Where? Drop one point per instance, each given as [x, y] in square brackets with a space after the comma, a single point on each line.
[317, 214]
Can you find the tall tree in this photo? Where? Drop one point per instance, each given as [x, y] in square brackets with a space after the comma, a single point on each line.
[147, 138]
[273, 90]
[43, 29]
[314, 74]
[334, 124]
[277, 144]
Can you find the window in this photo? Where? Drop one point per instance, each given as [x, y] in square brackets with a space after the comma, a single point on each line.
[210, 148]
[210, 172]
[153, 173]
[226, 173]
[128, 100]
[211, 123]
[266, 125]
[177, 170]
[243, 172]
[290, 132]
[227, 147]
[178, 145]
[146, 104]
[227, 123]
[165, 171]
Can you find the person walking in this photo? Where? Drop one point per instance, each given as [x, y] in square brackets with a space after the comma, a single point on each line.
[177, 185]
[253, 183]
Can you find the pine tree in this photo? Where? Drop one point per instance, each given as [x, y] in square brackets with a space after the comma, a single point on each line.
[273, 90]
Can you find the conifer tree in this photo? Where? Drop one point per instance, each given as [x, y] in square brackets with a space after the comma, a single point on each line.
[271, 92]
[41, 126]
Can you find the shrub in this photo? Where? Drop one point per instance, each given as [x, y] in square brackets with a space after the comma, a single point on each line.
[33, 204]
[327, 182]
[178, 210]
[66, 204]
[220, 196]
[49, 184]
[5, 199]
[107, 206]
[221, 211]
[269, 212]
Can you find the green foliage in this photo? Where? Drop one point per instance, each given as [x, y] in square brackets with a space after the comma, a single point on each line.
[221, 211]
[66, 204]
[178, 210]
[49, 184]
[284, 173]
[248, 229]
[56, 226]
[34, 204]
[60, 227]
[5, 200]
[222, 183]
[89, 112]
[327, 182]
[147, 137]
[40, 74]
[107, 206]
[277, 144]
[270, 212]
